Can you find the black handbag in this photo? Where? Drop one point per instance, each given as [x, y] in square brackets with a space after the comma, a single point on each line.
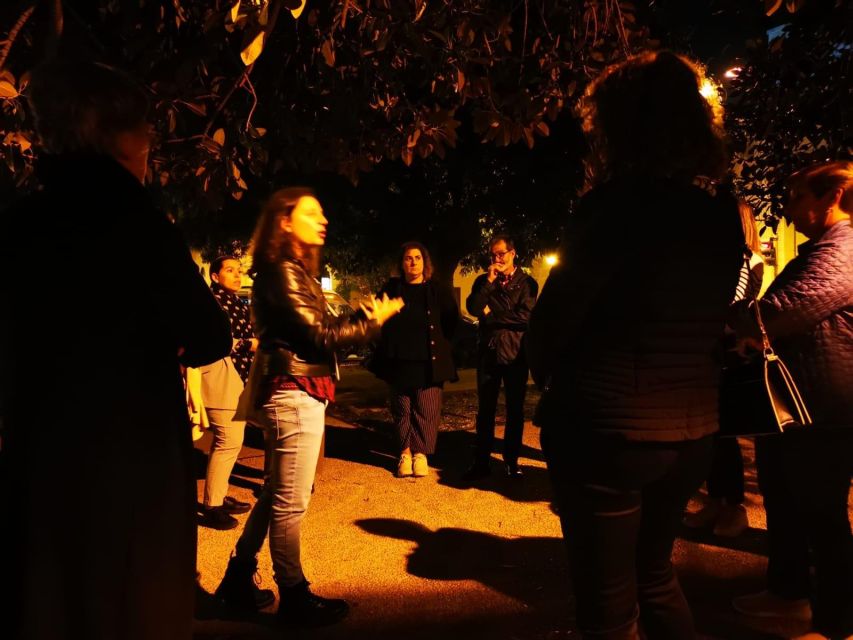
[760, 397]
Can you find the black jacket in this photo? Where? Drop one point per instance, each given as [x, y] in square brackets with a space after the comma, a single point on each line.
[627, 331]
[502, 329]
[396, 342]
[294, 325]
[106, 296]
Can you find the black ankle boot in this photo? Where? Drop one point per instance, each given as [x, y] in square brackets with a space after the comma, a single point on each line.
[299, 607]
[238, 588]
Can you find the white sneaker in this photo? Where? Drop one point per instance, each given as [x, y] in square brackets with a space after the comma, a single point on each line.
[421, 468]
[404, 466]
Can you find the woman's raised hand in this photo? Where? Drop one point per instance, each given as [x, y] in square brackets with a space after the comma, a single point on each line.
[380, 309]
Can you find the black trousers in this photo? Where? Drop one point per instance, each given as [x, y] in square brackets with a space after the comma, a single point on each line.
[489, 378]
[621, 505]
[726, 478]
[804, 478]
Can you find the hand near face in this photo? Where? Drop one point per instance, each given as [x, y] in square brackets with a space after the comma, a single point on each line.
[494, 270]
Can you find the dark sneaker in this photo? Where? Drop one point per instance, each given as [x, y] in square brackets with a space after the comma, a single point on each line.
[299, 607]
[234, 506]
[217, 518]
[477, 471]
[239, 588]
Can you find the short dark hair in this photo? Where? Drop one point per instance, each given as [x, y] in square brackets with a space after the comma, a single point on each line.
[84, 106]
[405, 247]
[502, 237]
[216, 264]
[823, 177]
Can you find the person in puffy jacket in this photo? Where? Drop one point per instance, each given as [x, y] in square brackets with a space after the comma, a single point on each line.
[804, 476]
[291, 382]
[623, 340]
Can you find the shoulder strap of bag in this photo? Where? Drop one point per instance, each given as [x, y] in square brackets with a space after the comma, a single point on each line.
[765, 339]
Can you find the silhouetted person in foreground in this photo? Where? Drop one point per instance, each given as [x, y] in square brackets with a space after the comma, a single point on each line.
[623, 340]
[98, 494]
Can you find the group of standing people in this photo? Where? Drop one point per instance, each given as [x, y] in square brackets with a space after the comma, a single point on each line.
[624, 341]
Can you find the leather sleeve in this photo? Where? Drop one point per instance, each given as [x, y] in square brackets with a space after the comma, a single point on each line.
[306, 318]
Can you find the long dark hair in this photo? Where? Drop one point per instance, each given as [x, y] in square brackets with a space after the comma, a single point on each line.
[428, 270]
[656, 115]
[271, 244]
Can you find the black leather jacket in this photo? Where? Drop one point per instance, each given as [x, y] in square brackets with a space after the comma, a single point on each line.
[298, 334]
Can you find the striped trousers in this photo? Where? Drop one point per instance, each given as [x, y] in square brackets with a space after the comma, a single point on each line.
[417, 414]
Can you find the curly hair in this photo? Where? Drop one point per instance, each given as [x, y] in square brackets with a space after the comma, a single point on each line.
[271, 243]
[405, 247]
[656, 115]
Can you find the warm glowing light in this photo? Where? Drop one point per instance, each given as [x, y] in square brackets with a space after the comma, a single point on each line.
[708, 89]
[551, 259]
[734, 72]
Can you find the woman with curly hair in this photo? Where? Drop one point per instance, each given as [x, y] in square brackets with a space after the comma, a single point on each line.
[623, 340]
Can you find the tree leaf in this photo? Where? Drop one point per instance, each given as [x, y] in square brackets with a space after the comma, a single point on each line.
[251, 52]
[771, 6]
[460, 80]
[7, 90]
[219, 136]
[298, 10]
[235, 11]
[328, 51]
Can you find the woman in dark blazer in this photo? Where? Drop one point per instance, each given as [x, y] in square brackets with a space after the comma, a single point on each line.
[414, 356]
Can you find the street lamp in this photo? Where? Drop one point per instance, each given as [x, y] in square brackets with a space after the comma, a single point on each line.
[551, 259]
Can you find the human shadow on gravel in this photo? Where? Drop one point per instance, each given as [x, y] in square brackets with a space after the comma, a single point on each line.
[532, 570]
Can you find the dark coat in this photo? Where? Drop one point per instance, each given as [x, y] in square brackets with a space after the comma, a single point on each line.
[298, 334]
[808, 311]
[442, 318]
[502, 329]
[628, 327]
[98, 487]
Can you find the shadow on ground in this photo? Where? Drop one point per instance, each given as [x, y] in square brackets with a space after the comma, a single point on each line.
[374, 443]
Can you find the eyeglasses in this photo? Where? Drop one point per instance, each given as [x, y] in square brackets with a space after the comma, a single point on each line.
[498, 255]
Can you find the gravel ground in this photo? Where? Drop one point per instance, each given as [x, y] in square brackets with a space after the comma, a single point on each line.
[433, 557]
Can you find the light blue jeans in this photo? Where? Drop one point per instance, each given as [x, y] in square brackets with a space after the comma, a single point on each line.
[294, 433]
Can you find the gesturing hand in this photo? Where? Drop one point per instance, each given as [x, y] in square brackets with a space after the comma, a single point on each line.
[380, 309]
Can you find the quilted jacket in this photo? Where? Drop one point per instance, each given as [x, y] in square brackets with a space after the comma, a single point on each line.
[808, 311]
[626, 333]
